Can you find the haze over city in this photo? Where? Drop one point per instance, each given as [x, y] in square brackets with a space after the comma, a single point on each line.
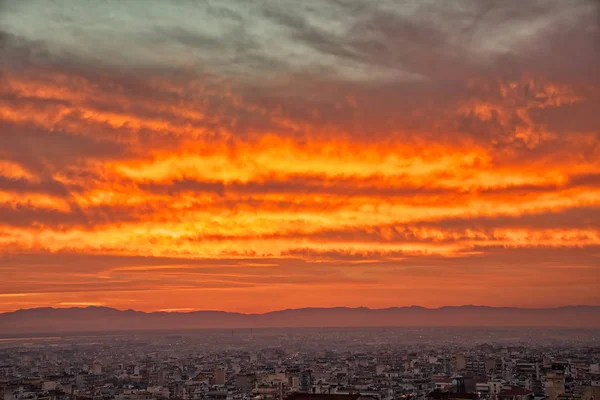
[266, 155]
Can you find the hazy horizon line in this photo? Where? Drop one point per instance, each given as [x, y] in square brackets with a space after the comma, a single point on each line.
[191, 310]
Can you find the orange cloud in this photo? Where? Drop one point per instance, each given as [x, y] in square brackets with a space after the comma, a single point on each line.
[468, 185]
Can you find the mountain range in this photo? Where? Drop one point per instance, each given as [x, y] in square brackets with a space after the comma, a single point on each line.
[104, 319]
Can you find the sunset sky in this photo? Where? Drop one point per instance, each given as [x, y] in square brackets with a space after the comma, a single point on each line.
[260, 155]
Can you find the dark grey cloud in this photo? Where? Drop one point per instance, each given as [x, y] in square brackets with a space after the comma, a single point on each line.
[39, 150]
[185, 185]
[353, 186]
[27, 216]
[350, 40]
[569, 218]
[24, 186]
[568, 119]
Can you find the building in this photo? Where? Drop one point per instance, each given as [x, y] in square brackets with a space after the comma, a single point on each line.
[444, 395]
[245, 382]
[515, 393]
[460, 362]
[219, 377]
[306, 381]
[495, 387]
[313, 396]
[216, 395]
[555, 385]
[7, 371]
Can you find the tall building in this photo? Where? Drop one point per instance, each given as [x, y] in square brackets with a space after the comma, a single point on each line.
[460, 362]
[306, 381]
[490, 365]
[555, 385]
[219, 377]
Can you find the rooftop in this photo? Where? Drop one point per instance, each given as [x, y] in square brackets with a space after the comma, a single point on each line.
[439, 395]
[515, 391]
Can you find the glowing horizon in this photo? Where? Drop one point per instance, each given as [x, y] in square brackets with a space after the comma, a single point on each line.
[434, 155]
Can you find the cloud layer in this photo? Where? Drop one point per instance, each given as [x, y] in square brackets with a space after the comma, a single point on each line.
[254, 156]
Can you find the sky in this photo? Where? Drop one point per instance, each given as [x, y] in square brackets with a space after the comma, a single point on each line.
[260, 155]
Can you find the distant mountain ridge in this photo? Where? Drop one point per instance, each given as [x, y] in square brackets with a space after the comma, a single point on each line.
[105, 319]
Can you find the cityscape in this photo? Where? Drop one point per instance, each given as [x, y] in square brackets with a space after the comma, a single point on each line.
[306, 363]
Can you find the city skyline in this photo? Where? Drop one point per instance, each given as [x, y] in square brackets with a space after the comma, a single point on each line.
[257, 156]
[305, 364]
